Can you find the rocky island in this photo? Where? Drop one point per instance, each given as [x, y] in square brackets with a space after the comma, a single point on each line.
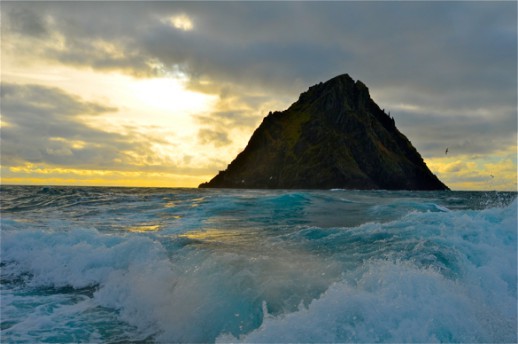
[333, 136]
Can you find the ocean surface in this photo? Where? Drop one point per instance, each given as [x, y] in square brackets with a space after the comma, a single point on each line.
[109, 265]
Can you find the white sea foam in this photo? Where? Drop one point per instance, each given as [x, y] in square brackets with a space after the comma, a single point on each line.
[158, 296]
[389, 302]
[397, 301]
[428, 276]
[122, 271]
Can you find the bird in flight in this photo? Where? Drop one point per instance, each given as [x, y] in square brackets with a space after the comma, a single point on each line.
[446, 151]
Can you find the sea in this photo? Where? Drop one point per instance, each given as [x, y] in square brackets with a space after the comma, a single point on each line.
[180, 265]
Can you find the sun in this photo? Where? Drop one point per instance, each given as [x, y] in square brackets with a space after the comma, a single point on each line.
[168, 94]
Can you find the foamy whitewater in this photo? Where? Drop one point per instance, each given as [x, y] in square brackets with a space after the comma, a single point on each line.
[201, 265]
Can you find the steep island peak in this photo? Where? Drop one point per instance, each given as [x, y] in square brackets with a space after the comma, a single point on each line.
[333, 136]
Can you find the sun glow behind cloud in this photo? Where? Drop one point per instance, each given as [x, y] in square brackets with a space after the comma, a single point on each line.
[157, 114]
[168, 94]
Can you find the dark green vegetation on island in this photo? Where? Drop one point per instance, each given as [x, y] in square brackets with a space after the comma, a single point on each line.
[334, 136]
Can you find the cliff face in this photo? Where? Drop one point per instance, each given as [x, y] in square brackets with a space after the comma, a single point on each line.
[334, 136]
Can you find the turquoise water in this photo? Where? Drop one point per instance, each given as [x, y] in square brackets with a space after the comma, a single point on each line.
[205, 265]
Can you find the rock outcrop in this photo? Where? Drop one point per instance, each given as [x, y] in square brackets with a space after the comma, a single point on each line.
[334, 136]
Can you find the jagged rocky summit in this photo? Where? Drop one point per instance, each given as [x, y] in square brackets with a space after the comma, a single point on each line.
[333, 136]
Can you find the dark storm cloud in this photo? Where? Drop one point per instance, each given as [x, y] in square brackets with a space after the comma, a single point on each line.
[453, 59]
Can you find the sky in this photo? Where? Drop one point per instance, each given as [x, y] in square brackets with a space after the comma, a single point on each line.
[168, 93]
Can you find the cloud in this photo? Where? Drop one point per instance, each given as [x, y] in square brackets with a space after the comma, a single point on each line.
[218, 138]
[216, 126]
[428, 48]
[234, 113]
[43, 125]
[27, 22]
[22, 102]
[46, 125]
[477, 172]
[446, 70]
[46, 129]
[464, 130]
[181, 21]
